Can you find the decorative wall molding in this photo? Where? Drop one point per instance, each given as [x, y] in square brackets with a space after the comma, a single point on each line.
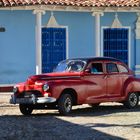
[116, 23]
[98, 13]
[137, 66]
[52, 22]
[137, 69]
[39, 11]
[137, 72]
[137, 31]
[73, 8]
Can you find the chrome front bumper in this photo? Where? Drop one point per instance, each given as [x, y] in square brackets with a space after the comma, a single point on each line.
[31, 100]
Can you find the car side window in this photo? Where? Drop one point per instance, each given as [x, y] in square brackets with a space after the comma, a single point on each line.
[111, 68]
[97, 68]
[122, 69]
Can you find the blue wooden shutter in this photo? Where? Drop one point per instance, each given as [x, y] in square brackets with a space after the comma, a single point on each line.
[116, 43]
[53, 47]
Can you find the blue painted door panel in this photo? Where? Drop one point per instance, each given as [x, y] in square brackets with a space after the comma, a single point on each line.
[116, 43]
[53, 47]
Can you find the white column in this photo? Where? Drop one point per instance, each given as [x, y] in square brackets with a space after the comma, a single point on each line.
[97, 32]
[38, 40]
[137, 47]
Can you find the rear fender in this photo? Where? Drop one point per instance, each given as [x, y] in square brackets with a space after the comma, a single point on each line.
[131, 85]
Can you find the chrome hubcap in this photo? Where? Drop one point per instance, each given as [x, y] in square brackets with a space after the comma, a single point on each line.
[27, 109]
[133, 99]
[67, 104]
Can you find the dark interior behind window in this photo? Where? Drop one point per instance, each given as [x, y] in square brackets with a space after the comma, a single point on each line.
[97, 68]
[111, 68]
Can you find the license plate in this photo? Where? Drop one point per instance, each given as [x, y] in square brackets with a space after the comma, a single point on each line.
[24, 100]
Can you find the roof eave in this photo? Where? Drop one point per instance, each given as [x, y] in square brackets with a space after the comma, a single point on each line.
[73, 8]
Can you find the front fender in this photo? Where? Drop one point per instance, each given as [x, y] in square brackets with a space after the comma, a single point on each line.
[20, 86]
[57, 87]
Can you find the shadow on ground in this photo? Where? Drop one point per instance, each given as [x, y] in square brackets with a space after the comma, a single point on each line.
[50, 126]
[41, 127]
[102, 110]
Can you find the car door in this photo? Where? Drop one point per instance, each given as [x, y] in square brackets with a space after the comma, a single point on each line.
[95, 83]
[124, 75]
[114, 81]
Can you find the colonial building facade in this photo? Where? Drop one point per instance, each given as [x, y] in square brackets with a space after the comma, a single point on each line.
[36, 35]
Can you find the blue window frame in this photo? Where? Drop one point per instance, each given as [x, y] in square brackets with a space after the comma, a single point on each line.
[116, 43]
[53, 47]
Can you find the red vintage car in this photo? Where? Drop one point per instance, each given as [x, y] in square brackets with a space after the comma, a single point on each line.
[78, 81]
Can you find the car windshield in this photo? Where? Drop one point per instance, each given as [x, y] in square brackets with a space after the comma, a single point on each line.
[70, 65]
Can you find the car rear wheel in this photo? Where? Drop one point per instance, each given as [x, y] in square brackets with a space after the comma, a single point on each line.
[65, 104]
[132, 100]
[26, 109]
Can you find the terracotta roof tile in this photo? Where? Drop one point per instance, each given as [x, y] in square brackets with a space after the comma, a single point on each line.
[94, 3]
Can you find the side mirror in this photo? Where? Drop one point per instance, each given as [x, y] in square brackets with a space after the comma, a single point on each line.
[88, 70]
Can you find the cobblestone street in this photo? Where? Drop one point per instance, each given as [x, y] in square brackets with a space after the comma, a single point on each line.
[108, 121]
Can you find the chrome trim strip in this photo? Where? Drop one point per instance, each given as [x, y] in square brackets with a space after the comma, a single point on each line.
[33, 100]
[61, 77]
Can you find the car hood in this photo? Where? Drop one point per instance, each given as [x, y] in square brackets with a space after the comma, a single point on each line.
[53, 76]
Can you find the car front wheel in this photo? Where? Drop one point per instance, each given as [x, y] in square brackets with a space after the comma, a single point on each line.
[65, 104]
[25, 109]
[132, 100]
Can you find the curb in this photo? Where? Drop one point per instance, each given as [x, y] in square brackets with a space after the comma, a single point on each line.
[6, 88]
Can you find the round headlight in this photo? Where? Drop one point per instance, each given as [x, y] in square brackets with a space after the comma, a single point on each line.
[45, 87]
[15, 89]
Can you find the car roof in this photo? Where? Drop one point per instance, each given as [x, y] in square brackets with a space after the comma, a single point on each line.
[97, 59]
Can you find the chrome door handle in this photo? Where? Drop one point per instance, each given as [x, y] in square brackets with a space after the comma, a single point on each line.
[105, 77]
